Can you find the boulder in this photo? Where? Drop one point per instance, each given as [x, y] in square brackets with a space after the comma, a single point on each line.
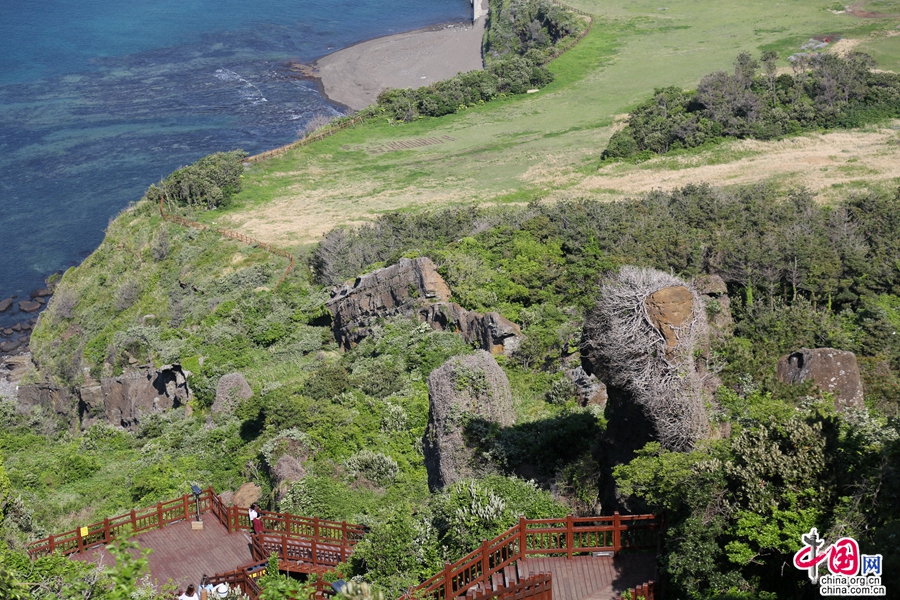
[589, 390]
[247, 494]
[11, 345]
[462, 392]
[29, 306]
[231, 389]
[5, 304]
[41, 293]
[834, 371]
[123, 400]
[414, 288]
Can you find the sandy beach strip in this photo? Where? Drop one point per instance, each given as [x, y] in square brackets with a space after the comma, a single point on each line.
[356, 75]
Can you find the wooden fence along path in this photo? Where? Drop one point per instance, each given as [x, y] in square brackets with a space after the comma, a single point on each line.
[540, 537]
[246, 239]
[285, 529]
[539, 587]
[646, 591]
[323, 133]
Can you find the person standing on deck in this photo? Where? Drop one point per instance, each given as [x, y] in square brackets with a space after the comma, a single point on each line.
[255, 521]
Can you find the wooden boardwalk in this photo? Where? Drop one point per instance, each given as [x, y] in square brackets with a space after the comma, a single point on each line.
[183, 555]
[592, 578]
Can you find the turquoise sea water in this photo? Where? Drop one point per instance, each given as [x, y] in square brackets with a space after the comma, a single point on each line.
[100, 98]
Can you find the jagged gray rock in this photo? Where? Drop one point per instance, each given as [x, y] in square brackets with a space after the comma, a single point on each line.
[414, 289]
[123, 400]
[588, 389]
[492, 331]
[461, 391]
[394, 290]
[834, 371]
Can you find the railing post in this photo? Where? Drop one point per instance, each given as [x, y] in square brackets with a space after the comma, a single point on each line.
[52, 545]
[106, 539]
[570, 533]
[523, 539]
[344, 530]
[184, 504]
[159, 516]
[617, 533]
[80, 541]
[133, 522]
[448, 582]
[485, 562]
[315, 527]
[284, 553]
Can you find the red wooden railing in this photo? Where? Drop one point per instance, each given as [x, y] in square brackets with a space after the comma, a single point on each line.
[539, 587]
[246, 579]
[645, 591]
[541, 537]
[325, 536]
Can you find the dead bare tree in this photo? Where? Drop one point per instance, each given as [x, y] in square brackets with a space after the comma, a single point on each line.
[632, 354]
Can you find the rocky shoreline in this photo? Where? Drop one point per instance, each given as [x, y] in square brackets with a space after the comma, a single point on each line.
[14, 338]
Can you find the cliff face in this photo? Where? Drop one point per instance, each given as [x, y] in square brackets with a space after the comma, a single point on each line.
[122, 401]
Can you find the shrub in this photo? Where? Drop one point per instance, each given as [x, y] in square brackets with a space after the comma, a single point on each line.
[208, 183]
[374, 466]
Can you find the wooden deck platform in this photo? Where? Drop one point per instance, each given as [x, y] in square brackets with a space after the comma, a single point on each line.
[183, 555]
[592, 578]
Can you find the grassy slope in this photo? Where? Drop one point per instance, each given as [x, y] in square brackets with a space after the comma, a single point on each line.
[539, 145]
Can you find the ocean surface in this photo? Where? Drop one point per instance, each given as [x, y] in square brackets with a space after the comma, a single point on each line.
[101, 98]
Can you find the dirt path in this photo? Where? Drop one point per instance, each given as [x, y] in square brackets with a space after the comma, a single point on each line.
[824, 163]
[857, 11]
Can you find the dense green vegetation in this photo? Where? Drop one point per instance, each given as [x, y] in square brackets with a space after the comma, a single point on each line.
[799, 273]
[207, 184]
[835, 92]
[521, 36]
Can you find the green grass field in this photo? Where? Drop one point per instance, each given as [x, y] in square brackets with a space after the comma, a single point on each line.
[541, 145]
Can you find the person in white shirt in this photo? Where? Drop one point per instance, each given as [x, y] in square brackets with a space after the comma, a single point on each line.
[190, 594]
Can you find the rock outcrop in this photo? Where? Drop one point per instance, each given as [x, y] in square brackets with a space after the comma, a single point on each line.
[387, 292]
[640, 339]
[125, 399]
[714, 293]
[834, 371]
[669, 310]
[29, 305]
[5, 304]
[462, 392]
[51, 400]
[414, 289]
[231, 389]
[589, 390]
[246, 495]
[492, 331]
[121, 401]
